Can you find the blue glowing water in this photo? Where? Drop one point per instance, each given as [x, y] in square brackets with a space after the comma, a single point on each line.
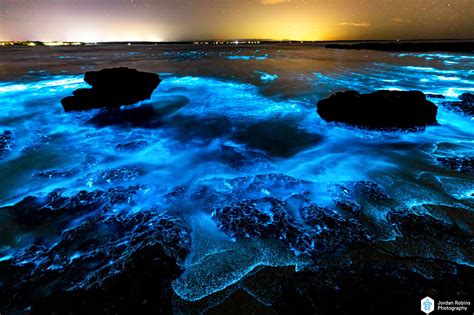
[205, 99]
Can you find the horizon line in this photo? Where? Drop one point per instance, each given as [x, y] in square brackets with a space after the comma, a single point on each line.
[238, 40]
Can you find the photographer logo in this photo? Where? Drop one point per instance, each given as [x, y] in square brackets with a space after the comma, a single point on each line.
[427, 305]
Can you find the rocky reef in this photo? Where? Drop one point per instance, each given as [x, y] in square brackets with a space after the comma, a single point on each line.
[321, 229]
[104, 251]
[363, 240]
[112, 88]
[379, 110]
[97, 256]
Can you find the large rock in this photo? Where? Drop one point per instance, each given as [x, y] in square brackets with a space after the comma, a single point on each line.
[379, 110]
[112, 88]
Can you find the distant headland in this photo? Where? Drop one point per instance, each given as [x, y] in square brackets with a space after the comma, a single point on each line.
[415, 46]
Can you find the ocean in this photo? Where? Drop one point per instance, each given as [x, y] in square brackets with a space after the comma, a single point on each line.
[240, 121]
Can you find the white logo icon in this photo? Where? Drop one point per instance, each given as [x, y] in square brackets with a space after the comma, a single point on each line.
[427, 305]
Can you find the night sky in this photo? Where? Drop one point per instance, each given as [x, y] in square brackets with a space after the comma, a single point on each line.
[174, 20]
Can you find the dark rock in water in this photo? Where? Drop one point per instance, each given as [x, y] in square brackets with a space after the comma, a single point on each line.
[323, 230]
[6, 143]
[260, 218]
[57, 207]
[216, 193]
[176, 193]
[112, 88]
[331, 231]
[379, 110]
[458, 164]
[467, 98]
[464, 105]
[348, 205]
[371, 190]
[109, 259]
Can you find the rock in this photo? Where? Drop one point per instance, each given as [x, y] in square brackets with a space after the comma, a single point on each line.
[322, 230]
[458, 164]
[112, 88]
[258, 218]
[371, 191]
[379, 110]
[467, 98]
[464, 105]
[57, 207]
[6, 143]
[219, 192]
[348, 205]
[176, 193]
[102, 260]
[331, 231]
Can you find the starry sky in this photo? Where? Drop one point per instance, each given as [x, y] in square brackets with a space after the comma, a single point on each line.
[179, 20]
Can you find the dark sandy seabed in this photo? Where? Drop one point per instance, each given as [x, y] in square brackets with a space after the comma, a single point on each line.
[226, 192]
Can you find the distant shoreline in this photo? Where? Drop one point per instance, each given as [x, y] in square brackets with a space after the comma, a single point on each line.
[454, 46]
[442, 45]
